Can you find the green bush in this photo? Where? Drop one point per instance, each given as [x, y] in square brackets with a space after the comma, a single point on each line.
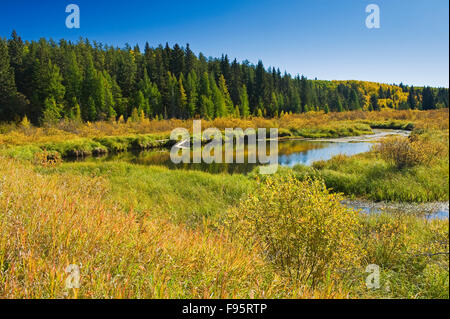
[299, 226]
[408, 152]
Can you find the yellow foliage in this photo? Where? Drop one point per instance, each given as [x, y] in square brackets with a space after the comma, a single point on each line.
[300, 227]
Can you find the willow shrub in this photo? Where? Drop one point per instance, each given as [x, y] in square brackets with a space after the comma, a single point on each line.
[300, 227]
[408, 152]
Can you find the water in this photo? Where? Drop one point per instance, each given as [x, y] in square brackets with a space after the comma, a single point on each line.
[290, 153]
[436, 210]
[322, 151]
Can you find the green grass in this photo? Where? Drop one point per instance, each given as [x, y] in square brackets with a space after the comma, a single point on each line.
[369, 177]
[397, 243]
[179, 195]
[334, 131]
[82, 147]
[391, 124]
[412, 254]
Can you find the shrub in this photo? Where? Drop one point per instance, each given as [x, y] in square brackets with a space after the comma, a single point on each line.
[408, 152]
[299, 226]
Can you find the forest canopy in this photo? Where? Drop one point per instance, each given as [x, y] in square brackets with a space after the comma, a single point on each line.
[89, 81]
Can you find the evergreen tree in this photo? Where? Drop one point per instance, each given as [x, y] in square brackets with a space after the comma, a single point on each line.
[182, 98]
[192, 95]
[354, 101]
[51, 112]
[220, 109]
[7, 84]
[412, 102]
[73, 79]
[226, 95]
[374, 102]
[244, 108]
[54, 80]
[428, 102]
[91, 114]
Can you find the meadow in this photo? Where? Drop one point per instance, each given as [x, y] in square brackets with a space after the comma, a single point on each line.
[151, 232]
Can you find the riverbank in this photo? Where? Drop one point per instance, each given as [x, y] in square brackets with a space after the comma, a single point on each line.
[84, 139]
[149, 213]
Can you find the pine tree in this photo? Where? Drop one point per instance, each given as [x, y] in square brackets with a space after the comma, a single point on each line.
[7, 84]
[220, 109]
[374, 102]
[244, 105]
[173, 110]
[206, 107]
[16, 49]
[190, 61]
[412, 102]
[51, 113]
[91, 110]
[226, 95]
[77, 113]
[354, 101]
[105, 82]
[428, 102]
[134, 116]
[340, 108]
[73, 79]
[192, 95]
[182, 98]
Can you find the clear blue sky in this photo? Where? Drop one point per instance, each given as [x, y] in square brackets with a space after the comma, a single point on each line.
[326, 39]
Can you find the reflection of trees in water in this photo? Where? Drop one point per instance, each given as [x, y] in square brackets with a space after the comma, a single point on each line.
[291, 147]
[290, 153]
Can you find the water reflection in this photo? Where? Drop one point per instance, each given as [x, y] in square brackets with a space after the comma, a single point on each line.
[290, 153]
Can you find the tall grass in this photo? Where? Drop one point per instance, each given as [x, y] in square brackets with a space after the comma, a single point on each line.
[51, 221]
[309, 124]
[178, 195]
[150, 232]
[150, 247]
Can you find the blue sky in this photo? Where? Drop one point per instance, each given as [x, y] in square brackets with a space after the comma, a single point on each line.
[326, 39]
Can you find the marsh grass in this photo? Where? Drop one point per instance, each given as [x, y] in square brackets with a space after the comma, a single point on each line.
[414, 169]
[411, 252]
[152, 240]
[311, 124]
[51, 221]
[178, 195]
[150, 232]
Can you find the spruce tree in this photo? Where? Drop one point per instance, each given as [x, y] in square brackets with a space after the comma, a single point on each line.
[7, 84]
[244, 108]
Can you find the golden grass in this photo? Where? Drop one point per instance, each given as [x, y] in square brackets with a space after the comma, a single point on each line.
[48, 222]
[315, 121]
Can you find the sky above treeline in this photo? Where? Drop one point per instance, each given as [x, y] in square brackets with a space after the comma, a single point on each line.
[324, 39]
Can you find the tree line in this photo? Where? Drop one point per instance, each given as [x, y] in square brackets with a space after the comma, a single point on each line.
[88, 81]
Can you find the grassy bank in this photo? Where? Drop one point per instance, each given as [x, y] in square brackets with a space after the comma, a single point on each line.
[311, 124]
[178, 195]
[150, 232]
[414, 169]
[367, 176]
[72, 139]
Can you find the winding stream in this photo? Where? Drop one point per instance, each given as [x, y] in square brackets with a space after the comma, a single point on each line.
[292, 152]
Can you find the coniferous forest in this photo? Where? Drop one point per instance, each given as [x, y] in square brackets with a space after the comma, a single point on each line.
[48, 81]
